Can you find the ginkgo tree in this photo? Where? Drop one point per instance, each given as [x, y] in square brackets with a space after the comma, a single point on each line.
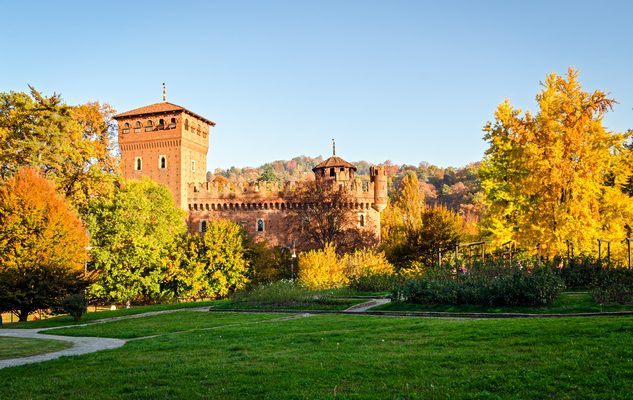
[556, 176]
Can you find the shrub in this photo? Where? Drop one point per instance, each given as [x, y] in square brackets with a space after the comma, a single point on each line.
[75, 305]
[365, 262]
[487, 287]
[375, 282]
[613, 286]
[282, 293]
[581, 273]
[321, 269]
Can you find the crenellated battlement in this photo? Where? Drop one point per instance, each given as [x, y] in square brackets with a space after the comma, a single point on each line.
[264, 190]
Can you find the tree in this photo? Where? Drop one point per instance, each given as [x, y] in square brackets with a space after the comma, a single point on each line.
[132, 233]
[209, 265]
[42, 245]
[324, 216]
[544, 175]
[72, 145]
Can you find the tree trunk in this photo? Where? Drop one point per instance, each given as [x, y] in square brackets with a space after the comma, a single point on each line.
[23, 315]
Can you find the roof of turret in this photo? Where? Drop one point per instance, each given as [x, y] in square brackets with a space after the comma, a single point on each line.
[332, 162]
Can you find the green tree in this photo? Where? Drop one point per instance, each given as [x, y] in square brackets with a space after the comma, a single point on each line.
[73, 145]
[132, 233]
[42, 245]
[545, 175]
[210, 265]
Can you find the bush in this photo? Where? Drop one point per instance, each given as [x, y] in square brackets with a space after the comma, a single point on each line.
[613, 286]
[581, 273]
[365, 262]
[321, 269]
[488, 287]
[75, 305]
[375, 282]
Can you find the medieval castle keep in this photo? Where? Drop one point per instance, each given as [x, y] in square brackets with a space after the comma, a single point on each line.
[169, 144]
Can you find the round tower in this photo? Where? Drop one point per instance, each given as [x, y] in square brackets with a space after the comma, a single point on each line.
[378, 176]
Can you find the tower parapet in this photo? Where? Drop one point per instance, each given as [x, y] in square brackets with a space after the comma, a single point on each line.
[378, 176]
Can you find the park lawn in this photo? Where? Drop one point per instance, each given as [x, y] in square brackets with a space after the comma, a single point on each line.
[329, 303]
[180, 322]
[348, 357]
[97, 315]
[12, 347]
[566, 303]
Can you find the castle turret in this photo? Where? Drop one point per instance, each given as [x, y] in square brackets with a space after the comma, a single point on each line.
[378, 177]
[335, 169]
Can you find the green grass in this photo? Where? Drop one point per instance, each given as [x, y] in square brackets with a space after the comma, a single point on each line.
[342, 356]
[330, 303]
[161, 324]
[93, 316]
[12, 347]
[566, 303]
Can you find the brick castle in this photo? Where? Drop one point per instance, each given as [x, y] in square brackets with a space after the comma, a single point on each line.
[169, 144]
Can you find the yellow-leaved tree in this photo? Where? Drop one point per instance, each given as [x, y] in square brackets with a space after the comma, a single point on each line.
[558, 175]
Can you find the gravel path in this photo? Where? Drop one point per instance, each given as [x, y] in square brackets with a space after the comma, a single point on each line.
[358, 308]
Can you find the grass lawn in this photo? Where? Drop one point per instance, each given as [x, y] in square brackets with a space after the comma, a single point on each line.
[566, 303]
[329, 303]
[341, 356]
[93, 316]
[11, 347]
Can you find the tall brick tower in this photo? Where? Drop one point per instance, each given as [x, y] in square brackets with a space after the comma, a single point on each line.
[167, 143]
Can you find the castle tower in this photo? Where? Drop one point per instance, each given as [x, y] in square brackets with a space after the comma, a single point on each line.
[164, 142]
[378, 177]
[335, 170]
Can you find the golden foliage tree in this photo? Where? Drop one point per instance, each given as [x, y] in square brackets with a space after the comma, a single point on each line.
[555, 176]
[42, 245]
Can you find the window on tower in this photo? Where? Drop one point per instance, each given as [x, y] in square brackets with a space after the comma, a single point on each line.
[186, 124]
[260, 225]
[162, 164]
[203, 226]
[161, 124]
[193, 166]
[137, 127]
[332, 172]
[126, 128]
[138, 164]
[172, 124]
[149, 125]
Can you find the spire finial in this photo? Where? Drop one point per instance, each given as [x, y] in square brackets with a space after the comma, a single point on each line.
[333, 147]
[164, 92]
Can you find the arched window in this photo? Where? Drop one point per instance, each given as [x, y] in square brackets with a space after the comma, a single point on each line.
[138, 164]
[126, 128]
[161, 124]
[260, 225]
[186, 124]
[137, 127]
[149, 125]
[203, 226]
[361, 220]
[162, 162]
[172, 123]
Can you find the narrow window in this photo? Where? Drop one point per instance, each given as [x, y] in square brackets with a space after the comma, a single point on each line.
[161, 124]
[162, 164]
[332, 172]
[139, 164]
[260, 225]
[203, 226]
[186, 124]
[137, 127]
[193, 166]
[172, 124]
[126, 128]
[342, 169]
[361, 220]
[149, 126]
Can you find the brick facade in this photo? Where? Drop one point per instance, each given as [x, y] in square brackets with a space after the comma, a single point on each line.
[174, 153]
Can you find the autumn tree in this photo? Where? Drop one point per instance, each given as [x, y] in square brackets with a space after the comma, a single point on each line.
[132, 233]
[72, 145]
[42, 245]
[209, 265]
[554, 176]
[324, 216]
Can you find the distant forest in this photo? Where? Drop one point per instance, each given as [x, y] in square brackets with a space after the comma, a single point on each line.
[458, 189]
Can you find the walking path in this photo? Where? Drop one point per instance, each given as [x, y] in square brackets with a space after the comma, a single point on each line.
[359, 308]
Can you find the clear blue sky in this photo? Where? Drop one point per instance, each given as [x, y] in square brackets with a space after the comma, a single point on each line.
[408, 81]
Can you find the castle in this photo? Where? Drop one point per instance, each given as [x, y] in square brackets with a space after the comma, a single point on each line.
[168, 143]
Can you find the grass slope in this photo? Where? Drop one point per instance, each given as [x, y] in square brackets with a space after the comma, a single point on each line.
[342, 356]
[566, 303]
[11, 347]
